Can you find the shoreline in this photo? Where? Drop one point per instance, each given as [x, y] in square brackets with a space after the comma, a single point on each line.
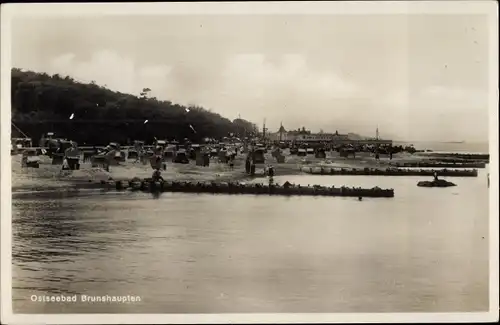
[51, 177]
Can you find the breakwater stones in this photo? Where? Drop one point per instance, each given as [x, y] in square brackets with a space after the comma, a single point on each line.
[390, 172]
[438, 164]
[147, 185]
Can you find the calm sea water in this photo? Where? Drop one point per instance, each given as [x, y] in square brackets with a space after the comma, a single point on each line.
[424, 250]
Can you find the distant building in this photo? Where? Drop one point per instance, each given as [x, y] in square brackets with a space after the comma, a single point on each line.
[284, 135]
[303, 135]
[322, 137]
[282, 132]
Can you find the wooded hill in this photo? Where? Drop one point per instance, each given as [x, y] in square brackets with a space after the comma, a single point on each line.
[42, 103]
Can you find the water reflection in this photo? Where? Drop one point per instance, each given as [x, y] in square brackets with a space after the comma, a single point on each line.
[156, 195]
[424, 250]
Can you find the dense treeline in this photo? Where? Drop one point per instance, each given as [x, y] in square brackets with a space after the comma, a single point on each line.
[42, 103]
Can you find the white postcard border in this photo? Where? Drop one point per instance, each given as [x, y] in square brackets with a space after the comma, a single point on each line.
[9, 11]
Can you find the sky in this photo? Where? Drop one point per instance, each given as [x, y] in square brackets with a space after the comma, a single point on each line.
[417, 77]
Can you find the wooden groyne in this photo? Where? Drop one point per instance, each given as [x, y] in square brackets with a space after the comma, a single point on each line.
[436, 164]
[464, 156]
[454, 160]
[286, 189]
[390, 172]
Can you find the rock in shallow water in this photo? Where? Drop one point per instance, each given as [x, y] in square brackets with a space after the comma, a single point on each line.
[435, 183]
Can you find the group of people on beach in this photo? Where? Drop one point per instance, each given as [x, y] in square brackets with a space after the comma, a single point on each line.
[159, 164]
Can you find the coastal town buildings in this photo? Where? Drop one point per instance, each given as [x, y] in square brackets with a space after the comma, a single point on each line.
[304, 135]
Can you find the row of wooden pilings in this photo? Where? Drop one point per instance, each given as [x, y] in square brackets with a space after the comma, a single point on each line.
[438, 164]
[390, 172]
[287, 188]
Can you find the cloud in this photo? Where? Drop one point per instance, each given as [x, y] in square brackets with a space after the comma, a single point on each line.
[106, 67]
[449, 113]
[456, 97]
[253, 84]
[261, 86]
[291, 73]
[349, 73]
[286, 87]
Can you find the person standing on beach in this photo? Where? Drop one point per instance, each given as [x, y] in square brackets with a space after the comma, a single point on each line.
[157, 176]
[252, 169]
[65, 164]
[270, 171]
[247, 165]
[435, 175]
[155, 162]
[158, 163]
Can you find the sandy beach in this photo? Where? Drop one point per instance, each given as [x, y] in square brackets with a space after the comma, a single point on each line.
[52, 176]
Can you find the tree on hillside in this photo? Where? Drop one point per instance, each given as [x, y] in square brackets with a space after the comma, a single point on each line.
[43, 103]
[145, 93]
[244, 128]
